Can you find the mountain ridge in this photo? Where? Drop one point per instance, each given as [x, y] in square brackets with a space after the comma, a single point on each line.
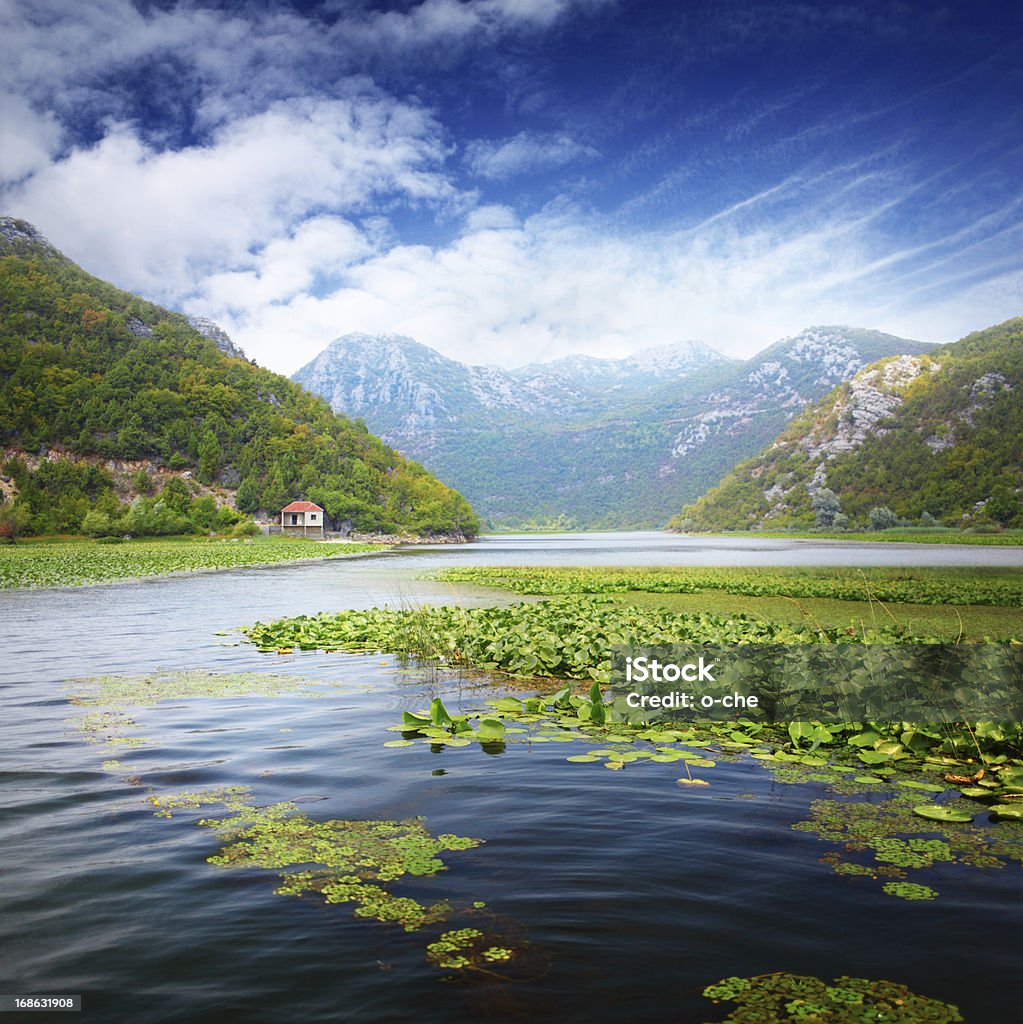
[930, 437]
[624, 442]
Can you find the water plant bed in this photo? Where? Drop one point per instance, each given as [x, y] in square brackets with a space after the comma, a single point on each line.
[566, 636]
[63, 564]
[906, 586]
[956, 623]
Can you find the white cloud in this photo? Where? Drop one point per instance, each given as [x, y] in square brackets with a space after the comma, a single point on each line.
[524, 153]
[161, 221]
[558, 283]
[28, 141]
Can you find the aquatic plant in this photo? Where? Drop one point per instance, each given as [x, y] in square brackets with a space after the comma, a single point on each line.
[905, 586]
[42, 564]
[567, 637]
[345, 861]
[892, 830]
[784, 997]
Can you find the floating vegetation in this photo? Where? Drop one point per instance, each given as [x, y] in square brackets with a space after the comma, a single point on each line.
[465, 948]
[893, 831]
[568, 636]
[782, 997]
[152, 687]
[42, 564]
[905, 586]
[109, 723]
[910, 891]
[344, 861]
[901, 834]
[350, 861]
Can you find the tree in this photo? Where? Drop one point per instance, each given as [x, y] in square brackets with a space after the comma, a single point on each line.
[827, 505]
[97, 524]
[175, 495]
[883, 518]
[1003, 506]
[247, 496]
[14, 520]
[209, 457]
[142, 481]
[204, 512]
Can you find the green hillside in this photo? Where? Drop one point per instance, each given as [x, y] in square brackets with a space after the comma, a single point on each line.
[93, 373]
[909, 440]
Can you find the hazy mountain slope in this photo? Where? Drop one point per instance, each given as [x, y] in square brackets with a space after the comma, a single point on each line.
[593, 442]
[97, 371]
[939, 433]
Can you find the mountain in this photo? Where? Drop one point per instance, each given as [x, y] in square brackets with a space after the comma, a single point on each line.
[92, 374]
[935, 436]
[416, 397]
[581, 441]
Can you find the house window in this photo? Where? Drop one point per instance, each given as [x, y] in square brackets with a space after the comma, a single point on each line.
[312, 517]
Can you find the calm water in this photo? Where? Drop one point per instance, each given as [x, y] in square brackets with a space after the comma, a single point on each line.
[634, 892]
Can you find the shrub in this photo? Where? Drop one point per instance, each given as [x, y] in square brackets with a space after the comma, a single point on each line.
[883, 518]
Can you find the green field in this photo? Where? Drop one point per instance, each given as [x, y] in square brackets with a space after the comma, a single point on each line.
[71, 563]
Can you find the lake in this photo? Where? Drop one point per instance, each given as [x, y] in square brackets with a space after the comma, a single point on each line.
[629, 892]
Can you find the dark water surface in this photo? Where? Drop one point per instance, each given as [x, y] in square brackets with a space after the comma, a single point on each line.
[633, 892]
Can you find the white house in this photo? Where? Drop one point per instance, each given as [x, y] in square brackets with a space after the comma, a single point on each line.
[302, 519]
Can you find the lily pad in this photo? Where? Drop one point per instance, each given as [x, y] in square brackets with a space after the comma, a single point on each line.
[941, 812]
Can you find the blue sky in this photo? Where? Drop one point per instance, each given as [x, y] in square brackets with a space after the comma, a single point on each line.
[515, 180]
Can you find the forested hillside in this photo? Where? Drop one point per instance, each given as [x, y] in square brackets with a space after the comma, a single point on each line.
[914, 440]
[89, 370]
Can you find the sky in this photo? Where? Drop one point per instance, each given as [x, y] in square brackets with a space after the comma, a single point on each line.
[512, 181]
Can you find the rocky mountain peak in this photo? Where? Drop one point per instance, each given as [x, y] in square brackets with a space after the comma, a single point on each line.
[18, 237]
[208, 329]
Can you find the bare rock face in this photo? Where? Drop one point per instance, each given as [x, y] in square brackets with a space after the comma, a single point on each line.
[138, 328]
[208, 329]
[872, 397]
[18, 237]
[795, 372]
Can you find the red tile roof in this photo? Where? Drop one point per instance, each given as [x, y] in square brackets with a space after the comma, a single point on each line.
[301, 506]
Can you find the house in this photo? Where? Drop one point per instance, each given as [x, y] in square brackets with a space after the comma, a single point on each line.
[302, 519]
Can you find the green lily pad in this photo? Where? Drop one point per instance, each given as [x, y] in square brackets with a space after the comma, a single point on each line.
[868, 779]
[1008, 812]
[490, 729]
[940, 812]
[580, 758]
[931, 787]
[399, 743]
